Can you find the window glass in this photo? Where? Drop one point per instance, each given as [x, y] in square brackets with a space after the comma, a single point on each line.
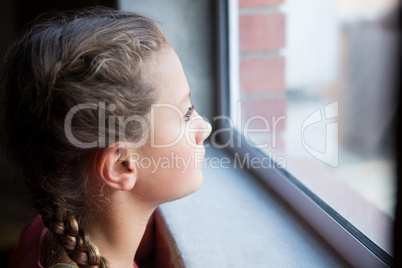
[312, 87]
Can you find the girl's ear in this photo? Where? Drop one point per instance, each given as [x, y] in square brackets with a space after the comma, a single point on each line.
[115, 168]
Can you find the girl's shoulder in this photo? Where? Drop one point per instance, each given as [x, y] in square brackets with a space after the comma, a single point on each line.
[28, 251]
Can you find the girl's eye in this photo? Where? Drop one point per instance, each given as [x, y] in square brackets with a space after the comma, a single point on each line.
[190, 111]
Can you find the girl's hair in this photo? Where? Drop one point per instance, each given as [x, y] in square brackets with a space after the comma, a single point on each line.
[91, 58]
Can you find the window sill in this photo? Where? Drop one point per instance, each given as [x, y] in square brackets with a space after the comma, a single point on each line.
[233, 221]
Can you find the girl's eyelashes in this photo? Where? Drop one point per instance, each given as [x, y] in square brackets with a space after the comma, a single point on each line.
[190, 111]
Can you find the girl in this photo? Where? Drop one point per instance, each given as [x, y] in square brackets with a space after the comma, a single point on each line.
[97, 117]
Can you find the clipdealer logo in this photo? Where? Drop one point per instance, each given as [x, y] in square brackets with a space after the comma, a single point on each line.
[330, 155]
[325, 117]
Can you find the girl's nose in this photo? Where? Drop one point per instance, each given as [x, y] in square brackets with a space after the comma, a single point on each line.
[204, 129]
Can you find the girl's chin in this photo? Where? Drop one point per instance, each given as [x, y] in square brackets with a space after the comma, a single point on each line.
[195, 185]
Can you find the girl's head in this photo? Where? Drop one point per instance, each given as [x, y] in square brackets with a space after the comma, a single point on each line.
[78, 92]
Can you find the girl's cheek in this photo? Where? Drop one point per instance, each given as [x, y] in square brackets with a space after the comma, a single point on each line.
[169, 129]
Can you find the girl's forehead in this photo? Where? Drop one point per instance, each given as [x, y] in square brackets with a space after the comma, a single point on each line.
[170, 78]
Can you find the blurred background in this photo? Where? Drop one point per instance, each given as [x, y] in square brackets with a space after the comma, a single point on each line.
[323, 76]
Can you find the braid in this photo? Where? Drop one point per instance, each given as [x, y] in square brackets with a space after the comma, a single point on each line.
[65, 228]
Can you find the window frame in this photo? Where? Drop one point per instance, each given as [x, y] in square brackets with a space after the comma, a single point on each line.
[354, 246]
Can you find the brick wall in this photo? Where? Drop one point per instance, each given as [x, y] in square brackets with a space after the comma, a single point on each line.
[262, 67]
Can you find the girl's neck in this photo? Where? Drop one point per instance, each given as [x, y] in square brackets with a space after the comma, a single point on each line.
[117, 230]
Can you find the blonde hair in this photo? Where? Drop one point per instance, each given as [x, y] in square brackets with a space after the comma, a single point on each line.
[85, 57]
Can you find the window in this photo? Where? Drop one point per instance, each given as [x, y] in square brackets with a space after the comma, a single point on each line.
[308, 95]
